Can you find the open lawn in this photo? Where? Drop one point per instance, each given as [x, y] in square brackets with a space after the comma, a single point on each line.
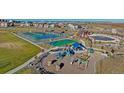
[14, 51]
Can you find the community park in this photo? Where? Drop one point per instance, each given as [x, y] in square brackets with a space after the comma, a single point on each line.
[31, 50]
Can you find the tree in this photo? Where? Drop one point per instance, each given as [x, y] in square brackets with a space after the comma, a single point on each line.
[112, 51]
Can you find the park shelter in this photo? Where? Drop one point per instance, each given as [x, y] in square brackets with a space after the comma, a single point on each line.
[77, 45]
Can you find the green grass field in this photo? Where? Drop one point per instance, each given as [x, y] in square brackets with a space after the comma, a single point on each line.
[14, 51]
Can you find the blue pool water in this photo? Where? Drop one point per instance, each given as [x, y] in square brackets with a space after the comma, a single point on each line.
[39, 35]
[104, 38]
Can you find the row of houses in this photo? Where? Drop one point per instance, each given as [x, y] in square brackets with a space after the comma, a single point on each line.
[52, 25]
[72, 26]
[6, 23]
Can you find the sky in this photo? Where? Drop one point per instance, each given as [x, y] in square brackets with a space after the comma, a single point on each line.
[83, 20]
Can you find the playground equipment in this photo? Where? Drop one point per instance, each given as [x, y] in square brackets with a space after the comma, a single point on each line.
[90, 50]
[69, 51]
[80, 61]
[61, 54]
[66, 52]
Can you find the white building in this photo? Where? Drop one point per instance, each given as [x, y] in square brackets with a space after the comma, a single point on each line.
[40, 25]
[71, 26]
[23, 24]
[10, 21]
[35, 24]
[114, 31]
[3, 24]
[52, 25]
[27, 24]
[45, 26]
[60, 24]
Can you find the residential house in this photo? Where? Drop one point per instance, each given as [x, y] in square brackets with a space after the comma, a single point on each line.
[52, 25]
[114, 31]
[3, 24]
[71, 26]
[45, 25]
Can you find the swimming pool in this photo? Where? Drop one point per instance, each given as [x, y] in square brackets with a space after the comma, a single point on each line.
[39, 35]
[102, 38]
[62, 42]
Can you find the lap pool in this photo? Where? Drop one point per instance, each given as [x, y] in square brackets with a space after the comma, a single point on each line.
[102, 37]
[39, 35]
[52, 39]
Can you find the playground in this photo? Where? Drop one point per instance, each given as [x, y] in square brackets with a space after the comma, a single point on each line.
[73, 58]
[71, 64]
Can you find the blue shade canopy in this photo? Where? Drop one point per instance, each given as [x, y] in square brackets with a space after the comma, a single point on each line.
[76, 45]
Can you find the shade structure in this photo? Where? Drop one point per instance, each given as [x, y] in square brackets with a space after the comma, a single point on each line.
[78, 45]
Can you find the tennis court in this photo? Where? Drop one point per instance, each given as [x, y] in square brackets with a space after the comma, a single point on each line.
[62, 42]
